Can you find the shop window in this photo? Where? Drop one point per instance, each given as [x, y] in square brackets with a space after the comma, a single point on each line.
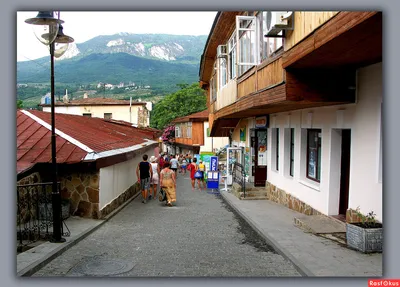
[313, 171]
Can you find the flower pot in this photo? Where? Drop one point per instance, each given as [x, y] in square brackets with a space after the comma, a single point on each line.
[364, 239]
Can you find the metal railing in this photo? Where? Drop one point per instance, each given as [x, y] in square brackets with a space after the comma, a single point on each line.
[239, 176]
[34, 214]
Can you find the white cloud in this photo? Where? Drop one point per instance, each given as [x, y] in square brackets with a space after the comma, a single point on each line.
[83, 26]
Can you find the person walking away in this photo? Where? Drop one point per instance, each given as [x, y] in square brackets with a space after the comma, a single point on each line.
[168, 183]
[183, 165]
[144, 173]
[161, 161]
[202, 169]
[174, 164]
[192, 167]
[156, 172]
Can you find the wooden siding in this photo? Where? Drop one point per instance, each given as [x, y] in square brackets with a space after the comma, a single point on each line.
[349, 39]
[227, 95]
[304, 24]
[270, 75]
[198, 133]
[247, 86]
[185, 141]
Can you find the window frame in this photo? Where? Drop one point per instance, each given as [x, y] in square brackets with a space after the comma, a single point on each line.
[243, 67]
[232, 56]
[291, 152]
[318, 153]
[277, 149]
[88, 115]
[108, 114]
[223, 80]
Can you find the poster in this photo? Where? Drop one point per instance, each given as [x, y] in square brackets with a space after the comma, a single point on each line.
[243, 134]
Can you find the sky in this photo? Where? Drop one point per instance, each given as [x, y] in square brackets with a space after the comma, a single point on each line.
[85, 25]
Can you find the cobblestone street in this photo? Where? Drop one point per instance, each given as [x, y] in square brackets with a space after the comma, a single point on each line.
[200, 236]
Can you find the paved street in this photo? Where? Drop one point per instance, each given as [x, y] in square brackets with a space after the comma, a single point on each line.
[200, 236]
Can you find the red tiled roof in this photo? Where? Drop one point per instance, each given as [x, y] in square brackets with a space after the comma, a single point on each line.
[96, 102]
[203, 115]
[34, 139]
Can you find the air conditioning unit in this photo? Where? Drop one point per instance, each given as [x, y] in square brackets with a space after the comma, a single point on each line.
[222, 51]
[278, 21]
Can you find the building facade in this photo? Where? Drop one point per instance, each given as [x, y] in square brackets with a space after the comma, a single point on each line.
[135, 113]
[192, 135]
[302, 92]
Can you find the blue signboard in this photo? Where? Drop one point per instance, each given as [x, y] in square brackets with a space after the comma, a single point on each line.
[213, 174]
[214, 163]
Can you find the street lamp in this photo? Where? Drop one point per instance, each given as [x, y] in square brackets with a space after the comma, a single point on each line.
[48, 31]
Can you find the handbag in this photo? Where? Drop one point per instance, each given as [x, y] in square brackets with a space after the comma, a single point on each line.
[162, 196]
[198, 174]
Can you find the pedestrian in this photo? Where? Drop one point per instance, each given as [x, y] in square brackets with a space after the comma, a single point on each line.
[174, 164]
[202, 169]
[183, 165]
[144, 173]
[161, 161]
[156, 171]
[168, 183]
[192, 167]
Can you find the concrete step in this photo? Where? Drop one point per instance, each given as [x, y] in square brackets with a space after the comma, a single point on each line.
[319, 224]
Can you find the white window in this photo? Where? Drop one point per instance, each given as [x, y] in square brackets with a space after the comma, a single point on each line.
[222, 72]
[177, 131]
[270, 44]
[189, 129]
[232, 56]
[289, 151]
[275, 149]
[247, 45]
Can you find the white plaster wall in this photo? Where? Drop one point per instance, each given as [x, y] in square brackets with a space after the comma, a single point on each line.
[363, 118]
[212, 143]
[366, 187]
[116, 179]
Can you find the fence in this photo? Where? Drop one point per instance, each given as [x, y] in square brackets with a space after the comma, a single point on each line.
[239, 176]
[35, 214]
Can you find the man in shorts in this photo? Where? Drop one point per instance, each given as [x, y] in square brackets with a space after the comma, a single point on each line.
[144, 173]
[174, 164]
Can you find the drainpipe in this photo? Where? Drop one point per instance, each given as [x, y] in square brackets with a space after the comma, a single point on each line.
[130, 110]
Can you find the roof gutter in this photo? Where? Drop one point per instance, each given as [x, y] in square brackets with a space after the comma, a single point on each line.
[94, 155]
[207, 42]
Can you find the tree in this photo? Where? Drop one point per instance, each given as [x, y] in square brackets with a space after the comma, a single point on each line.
[188, 100]
[20, 104]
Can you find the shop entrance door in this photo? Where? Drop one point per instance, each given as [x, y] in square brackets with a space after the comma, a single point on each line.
[259, 147]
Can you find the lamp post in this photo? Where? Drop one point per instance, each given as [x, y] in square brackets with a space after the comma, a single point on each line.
[48, 30]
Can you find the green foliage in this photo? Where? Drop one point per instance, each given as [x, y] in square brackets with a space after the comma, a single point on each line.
[368, 220]
[186, 101]
[20, 104]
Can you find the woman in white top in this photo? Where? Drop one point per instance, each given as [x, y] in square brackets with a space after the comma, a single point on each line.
[156, 177]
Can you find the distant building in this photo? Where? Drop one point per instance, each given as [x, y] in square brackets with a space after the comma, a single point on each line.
[192, 135]
[133, 112]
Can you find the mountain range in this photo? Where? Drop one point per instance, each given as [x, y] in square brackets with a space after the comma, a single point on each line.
[151, 59]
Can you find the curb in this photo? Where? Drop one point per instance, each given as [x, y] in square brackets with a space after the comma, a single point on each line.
[40, 263]
[304, 271]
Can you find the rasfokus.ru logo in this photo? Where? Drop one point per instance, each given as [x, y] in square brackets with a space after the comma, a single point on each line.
[384, 282]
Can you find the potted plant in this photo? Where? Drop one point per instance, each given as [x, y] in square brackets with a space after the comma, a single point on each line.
[366, 235]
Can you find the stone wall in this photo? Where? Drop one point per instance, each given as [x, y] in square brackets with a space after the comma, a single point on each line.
[30, 179]
[278, 195]
[83, 192]
[125, 196]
